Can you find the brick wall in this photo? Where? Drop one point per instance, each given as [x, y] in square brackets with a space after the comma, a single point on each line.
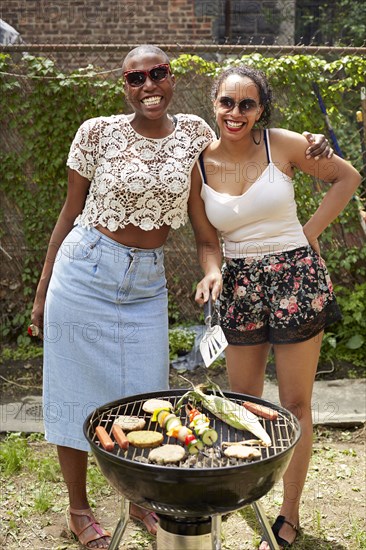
[108, 21]
[152, 21]
[257, 22]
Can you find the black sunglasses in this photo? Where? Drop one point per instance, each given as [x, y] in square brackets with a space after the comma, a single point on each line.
[246, 106]
[158, 73]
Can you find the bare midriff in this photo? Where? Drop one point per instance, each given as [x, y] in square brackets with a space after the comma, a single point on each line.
[135, 237]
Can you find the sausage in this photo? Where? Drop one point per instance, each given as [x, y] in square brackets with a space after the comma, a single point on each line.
[120, 437]
[261, 410]
[104, 438]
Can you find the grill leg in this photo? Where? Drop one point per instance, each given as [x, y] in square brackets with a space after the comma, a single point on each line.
[216, 532]
[121, 525]
[264, 523]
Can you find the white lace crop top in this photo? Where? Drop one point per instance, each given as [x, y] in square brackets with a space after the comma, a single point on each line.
[261, 221]
[134, 179]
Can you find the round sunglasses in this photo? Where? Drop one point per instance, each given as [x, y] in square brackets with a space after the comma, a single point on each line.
[246, 106]
[158, 73]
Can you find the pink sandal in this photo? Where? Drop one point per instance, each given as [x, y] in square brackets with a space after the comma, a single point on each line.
[146, 515]
[81, 535]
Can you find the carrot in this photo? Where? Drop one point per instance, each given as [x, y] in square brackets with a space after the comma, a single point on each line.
[120, 437]
[104, 438]
[261, 410]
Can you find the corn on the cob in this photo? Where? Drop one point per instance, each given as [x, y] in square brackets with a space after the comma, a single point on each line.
[230, 412]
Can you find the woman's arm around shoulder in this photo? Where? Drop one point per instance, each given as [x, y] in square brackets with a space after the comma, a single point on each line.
[289, 147]
[318, 146]
[207, 242]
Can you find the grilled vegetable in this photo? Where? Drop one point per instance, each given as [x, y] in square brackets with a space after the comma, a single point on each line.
[193, 444]
[160, 414]
[172, 423]
[261, 410]
[193, 413]
[173, 426]
[228, 411]
[180, 433]
[145, 438]
[200, 423]
[209, 436]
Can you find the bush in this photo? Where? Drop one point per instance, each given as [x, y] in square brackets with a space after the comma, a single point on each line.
[181, 341]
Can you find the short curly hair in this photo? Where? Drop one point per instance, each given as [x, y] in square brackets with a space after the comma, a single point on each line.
[259, 79]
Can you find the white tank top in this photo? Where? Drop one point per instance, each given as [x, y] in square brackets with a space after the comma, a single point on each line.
[261, 221]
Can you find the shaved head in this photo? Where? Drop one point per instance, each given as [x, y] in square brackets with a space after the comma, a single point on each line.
[142, 50]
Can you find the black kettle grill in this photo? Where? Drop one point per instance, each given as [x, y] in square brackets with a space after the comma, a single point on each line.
[190, 497]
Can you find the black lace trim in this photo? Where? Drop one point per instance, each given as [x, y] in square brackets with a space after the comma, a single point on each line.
[288, 335]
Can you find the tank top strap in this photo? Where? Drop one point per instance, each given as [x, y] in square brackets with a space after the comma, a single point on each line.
[202, 166]
[266, 143]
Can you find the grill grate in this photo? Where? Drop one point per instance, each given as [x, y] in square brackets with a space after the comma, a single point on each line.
[282, 432]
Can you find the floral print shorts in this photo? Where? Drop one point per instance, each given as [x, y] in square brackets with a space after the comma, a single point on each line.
[281, 298]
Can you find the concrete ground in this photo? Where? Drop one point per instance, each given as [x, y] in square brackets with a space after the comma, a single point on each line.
[334, 403]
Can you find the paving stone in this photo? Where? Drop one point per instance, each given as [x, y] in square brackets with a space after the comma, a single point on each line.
[334, 403]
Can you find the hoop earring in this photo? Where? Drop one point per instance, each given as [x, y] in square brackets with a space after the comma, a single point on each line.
[260, 138]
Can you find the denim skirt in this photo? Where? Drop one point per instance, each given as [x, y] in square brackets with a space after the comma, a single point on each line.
[105, 330]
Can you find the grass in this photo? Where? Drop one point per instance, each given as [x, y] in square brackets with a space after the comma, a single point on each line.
[14, 452]
[32, 496]
[22, 352]
[20, 457]
[43, 498]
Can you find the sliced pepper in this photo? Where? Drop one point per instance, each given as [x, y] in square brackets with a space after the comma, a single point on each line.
[156, 412]
[179, 432]
[193, 413]
[172, 423]
[189, 438]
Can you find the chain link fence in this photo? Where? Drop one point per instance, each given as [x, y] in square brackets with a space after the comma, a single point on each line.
[192, 96]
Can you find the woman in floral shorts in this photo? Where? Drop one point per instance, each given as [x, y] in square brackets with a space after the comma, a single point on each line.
[277, 291]
[280, 298]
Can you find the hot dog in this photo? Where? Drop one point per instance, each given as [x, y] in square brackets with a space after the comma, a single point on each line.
[261, 410]
[120, 437]
[104, 438]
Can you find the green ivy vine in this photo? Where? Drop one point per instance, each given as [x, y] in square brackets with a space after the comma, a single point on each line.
[44, 108]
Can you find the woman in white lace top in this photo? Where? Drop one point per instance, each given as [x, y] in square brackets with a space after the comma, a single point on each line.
[105, 317]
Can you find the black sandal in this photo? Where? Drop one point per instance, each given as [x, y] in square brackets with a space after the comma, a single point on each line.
[276, 527]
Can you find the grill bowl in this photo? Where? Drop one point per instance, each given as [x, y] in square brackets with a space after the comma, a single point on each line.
[199, 491]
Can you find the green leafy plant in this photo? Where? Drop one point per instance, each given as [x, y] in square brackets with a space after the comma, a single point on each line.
[347, 339]
[23, 352]
[47, 469]
[335, 23]
[43, 115]
[181, 341]
[14, 452]
[43, 499]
